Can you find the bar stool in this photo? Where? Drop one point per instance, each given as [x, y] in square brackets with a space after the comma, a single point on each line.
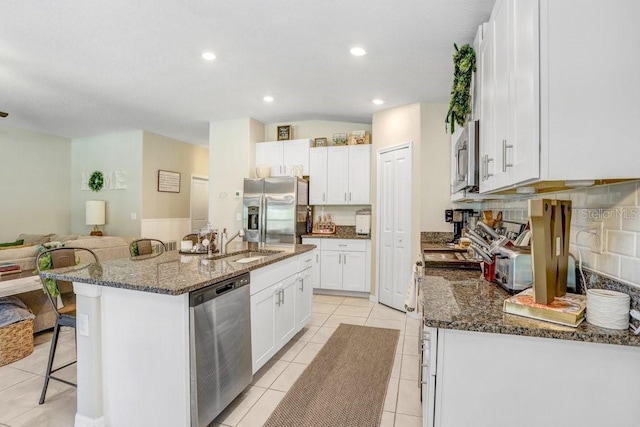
[62, 298]
[145, 247]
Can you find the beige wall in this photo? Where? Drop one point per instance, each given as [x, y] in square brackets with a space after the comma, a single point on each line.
[112, 152]
[423, 125]
[394, 127]
[436, 169]
[163, 153]
[314, 129]
[35, 169]
[231, 159]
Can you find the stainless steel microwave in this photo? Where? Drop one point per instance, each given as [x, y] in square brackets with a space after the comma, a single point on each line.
[466, 172]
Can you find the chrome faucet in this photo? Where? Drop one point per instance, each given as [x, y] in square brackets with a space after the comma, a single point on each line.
[240, 233]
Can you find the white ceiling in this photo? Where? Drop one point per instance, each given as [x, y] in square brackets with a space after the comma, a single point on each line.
[82, 68]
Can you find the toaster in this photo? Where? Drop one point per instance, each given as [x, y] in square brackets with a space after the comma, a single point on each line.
[514, 271]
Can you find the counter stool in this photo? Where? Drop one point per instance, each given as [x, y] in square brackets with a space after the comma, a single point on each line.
[62, 298]
[145, 247]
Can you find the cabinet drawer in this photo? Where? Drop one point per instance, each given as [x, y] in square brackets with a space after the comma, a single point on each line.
[344, 245]
[267, 276]
[305, 260]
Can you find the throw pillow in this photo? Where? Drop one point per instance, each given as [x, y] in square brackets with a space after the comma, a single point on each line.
[16, 243]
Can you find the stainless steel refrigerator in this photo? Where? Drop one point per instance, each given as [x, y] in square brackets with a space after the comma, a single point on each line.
[274, 209]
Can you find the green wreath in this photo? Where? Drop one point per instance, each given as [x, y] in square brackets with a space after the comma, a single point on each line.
[464, 61]
[96, 181]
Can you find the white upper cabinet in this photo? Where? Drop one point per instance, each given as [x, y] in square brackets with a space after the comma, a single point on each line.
[359, 174]
[510, 102]
[556, 102]
[337, 175]
[318, 176]
[340, 175]
[282, 155]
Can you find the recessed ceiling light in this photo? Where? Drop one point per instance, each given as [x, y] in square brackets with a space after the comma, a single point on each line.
[378, 101]
[268, 98]
[209, 56]
[357, 51]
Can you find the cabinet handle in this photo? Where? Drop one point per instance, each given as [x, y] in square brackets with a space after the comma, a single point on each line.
[345, 259]
[323, 197]
[345, 197]
[349, 196]
[483, 167]
[282, 294]
[301, 284]
[278, 300]
[489, 159]
[505, 165]
[285, 169]
[316, 257]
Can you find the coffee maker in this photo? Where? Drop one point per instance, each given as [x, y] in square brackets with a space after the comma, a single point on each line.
[459, 218]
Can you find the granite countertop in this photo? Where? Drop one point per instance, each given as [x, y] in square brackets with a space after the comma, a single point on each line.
[342, 232]
[463, 300]
[168, 273]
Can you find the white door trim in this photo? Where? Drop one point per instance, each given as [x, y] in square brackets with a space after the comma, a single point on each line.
[194, 177]
[408, 144]
[379, 152]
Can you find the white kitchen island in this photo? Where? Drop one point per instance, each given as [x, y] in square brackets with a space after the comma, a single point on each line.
[133, 329]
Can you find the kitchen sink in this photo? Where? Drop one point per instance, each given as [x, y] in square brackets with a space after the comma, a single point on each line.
[246, 256]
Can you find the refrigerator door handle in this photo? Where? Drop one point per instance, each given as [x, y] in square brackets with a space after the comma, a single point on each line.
[263, 220]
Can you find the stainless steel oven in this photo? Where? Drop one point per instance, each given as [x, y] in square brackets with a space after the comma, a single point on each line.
[466, 158]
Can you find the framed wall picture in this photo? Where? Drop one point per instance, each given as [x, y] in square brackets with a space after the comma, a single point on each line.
[168, 182]
[284, 133]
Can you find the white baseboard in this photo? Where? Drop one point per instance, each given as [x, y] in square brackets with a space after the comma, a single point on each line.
[319, 291]
[84, 421]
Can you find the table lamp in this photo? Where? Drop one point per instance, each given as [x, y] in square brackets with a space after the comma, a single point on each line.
[94, 215]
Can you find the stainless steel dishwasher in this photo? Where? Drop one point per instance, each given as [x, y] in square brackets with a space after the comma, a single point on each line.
[220, 344]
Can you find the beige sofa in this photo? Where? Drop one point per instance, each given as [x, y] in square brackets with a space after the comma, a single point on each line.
[105, 247]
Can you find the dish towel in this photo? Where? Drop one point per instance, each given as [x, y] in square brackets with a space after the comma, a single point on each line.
[410, 301]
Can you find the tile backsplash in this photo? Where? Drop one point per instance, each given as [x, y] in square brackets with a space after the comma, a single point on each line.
[341, 215]
[616, 205]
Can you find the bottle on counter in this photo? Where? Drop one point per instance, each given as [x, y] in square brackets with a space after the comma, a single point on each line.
[309, 223]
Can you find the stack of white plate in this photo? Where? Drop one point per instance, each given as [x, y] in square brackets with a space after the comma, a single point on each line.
[608, 309]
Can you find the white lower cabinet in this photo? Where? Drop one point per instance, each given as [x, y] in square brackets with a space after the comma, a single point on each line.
[501, 380]
[263, 332]
[281, 305]
[344, 264]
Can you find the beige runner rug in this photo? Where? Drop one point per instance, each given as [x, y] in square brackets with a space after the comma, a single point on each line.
[345, 384]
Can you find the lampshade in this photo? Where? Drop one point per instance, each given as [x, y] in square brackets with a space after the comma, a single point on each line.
[95, 212]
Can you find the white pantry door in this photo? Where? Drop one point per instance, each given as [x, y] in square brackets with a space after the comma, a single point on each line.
[394, 236]
[199, 203]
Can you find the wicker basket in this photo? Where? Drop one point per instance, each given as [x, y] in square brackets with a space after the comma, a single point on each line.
[16, 341]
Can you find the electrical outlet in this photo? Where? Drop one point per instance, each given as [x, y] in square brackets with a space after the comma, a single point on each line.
[598, 237]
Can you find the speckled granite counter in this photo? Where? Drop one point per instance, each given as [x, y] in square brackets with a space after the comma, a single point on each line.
[461, 299]
[342, 232]
[168, 273]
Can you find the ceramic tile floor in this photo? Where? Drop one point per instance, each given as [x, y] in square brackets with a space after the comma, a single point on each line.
[21, 382]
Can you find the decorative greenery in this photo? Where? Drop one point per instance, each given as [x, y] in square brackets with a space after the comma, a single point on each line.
[133, 248]
[464, 62]
[96, 181]
[45, 263]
